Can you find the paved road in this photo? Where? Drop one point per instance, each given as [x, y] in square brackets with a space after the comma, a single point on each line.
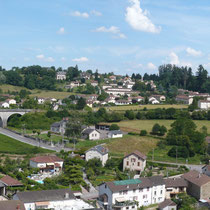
[189, 166]
[30, 141]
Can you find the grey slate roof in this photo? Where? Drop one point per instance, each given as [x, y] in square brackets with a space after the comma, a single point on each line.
[61, 73]
[115, 132]
[166, 203]
[100, 149]
[157, 180]
[45, 195]
[177, 182]
[56, 124]
[89, 131]
[138, 154]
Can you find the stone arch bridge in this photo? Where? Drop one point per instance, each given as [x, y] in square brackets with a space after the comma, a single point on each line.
[6, 113]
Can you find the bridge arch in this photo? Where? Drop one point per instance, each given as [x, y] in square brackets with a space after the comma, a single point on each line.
[6, 113]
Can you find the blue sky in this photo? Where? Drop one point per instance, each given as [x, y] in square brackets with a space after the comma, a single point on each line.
[123, 36]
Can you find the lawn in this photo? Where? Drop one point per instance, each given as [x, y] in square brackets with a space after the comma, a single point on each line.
[130, 143]
[11, 146]
[53, 138]
[36, 92]
[137, 125]
[148, 106]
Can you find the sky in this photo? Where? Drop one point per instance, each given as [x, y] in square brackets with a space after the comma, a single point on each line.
[120, 36]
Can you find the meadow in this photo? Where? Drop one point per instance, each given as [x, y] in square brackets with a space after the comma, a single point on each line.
[137, 125]
[11, 146]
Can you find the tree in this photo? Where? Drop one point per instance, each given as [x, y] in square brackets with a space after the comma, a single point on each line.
[162, 130]
[2, 78]
[129, 114]
[185, 202]
[114, 127]
[155, 129]
[81, 103]
[143, 133]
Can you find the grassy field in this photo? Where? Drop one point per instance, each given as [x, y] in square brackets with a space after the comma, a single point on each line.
[130, 143]
[11, 146]
[148, 106]
[137, 125]
[38, 93]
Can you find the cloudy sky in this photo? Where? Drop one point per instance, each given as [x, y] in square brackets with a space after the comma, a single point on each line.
[122, 36]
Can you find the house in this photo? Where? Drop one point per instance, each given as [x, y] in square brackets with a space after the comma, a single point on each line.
[115, 134]
[51, 199]
[41, 100]
[97, 152]
[159, 97]
[198, 185]
[73, 85]
[102, 126]
[135, 161]
[61, 75]
[175, 186]
[59, 127]
[206, 170]
[4, 105]
[112, 78]
[7, 182]
[125, 194]
[153, 100]
[12, 205]
[204, 104]
[47, 164]
[184, 99]
[85, 75]
[122, 102]
[94, 83]
[167, 205]
[91, 134]
[11, 101]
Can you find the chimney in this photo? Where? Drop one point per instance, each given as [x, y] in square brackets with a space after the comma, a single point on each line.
[66, 195]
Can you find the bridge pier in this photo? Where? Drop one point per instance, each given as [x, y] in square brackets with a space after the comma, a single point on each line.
[4, 122]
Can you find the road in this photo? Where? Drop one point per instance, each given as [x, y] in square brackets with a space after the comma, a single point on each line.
[31, 142]
[189, 166]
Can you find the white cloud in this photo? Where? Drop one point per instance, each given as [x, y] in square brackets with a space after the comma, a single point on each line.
[80, 14]
[112, 29]
[82, 59]
[96, 13]
[138, 20]
[174, 59]
[43, 58]
[49, 59]
[63, 59]
[40, 57]
[151, 66]
[193, 52]
[61, 30]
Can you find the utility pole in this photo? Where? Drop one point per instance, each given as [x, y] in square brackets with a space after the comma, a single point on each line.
[153, 154]
[176, 154]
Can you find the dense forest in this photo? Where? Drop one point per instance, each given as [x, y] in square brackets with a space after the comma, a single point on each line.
[169, 77]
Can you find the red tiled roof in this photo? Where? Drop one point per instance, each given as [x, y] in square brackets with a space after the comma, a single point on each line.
[9, 181]
[137, 153]
[46, 159]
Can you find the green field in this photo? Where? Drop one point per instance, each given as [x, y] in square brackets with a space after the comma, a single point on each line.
[11, 146]
[38, 93]
[148, 106]
[137, 125]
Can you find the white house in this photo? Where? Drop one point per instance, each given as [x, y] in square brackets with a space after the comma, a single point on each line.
[159, 97]
[61, 75]
[47, 164]
[94, 83]
[153, 100]
[206, 170]
[204, 104]
[11, 101]
[41, 100]
[98, 152]
[124, 194]
[135, 161]
[122, 102]
[64, 199]
[91, 134]
[184, 99]
[115, 134]
[4, 105]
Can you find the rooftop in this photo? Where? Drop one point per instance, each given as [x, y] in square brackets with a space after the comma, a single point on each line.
[46, 195]
[176, 182]
[138, 154]
[166, 203]
[46, 159]
[196, 178]
[12, 205]
[9, 181]
[100, 149]
[127, 182]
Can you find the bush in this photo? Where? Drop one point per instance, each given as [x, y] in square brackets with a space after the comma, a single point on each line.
[143, 133]
[179, 152]
[114, 127]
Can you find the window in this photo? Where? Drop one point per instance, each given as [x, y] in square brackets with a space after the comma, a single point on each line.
[125, 192]
[135, 198]
[105, 186]
[147, 188]
[133, 160]
[155, 193]
[134, 191]
[144, 196]
[139, 164]
[127, 163]
[127, 207]
[133, 207]
[161, 192]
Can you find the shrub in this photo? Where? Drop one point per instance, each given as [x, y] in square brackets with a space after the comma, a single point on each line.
[143, 133]
[114, 127]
